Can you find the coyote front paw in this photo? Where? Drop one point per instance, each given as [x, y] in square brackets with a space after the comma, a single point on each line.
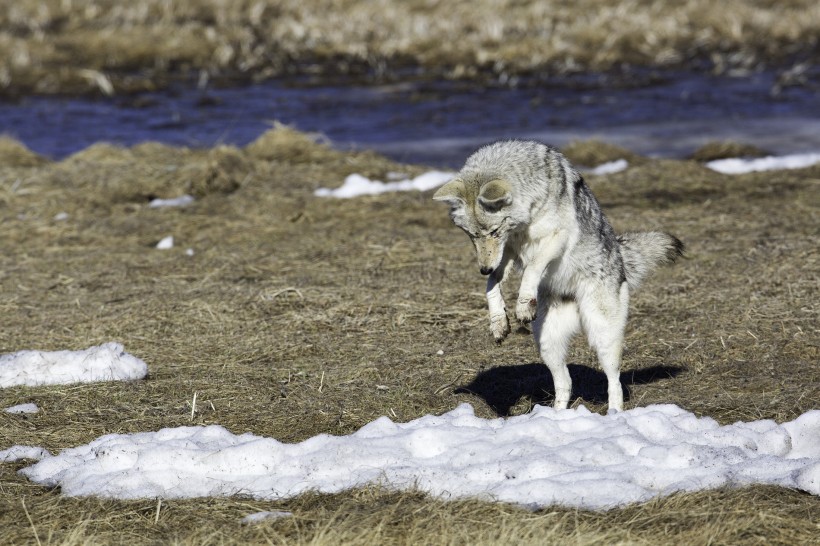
[525, 310]
[500, 327]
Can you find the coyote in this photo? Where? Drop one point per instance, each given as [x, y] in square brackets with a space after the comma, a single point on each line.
[524, 206]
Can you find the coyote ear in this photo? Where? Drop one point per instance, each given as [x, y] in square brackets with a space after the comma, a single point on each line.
[495, 195]
[451, 193]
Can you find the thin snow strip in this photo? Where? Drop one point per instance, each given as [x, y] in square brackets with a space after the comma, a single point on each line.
[23, 408]
[356, 185]
[610, 167]
[181, 201]
[771, 163]
[259, 517]
[571, 457]
[106, 362]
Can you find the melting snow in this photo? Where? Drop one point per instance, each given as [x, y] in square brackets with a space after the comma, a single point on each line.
[265, 516]
[570, 457]
[610, 167]
[356, 184]
[166, 243]
[181, 201]
[23, 408]
[16, 453]
[740, 166]
[106, 362]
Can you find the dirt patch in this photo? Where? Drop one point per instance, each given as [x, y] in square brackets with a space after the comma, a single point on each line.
[295, 315]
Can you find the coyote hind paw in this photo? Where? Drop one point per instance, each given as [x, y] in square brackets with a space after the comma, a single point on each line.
[525, 310]
[500, 327]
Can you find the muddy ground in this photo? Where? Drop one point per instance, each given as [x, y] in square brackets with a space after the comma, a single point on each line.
[298, 315]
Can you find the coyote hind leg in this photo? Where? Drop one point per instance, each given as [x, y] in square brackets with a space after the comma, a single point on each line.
[556, 321]
[603, 314]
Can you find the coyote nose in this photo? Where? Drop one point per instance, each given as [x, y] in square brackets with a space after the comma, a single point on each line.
[486, 270]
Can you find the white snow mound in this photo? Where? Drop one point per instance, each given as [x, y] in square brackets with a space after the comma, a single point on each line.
[570, 457]
[106, 362]
[356, 185]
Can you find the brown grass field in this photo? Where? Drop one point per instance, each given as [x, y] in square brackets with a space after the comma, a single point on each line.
[299, 315]
[109, 46]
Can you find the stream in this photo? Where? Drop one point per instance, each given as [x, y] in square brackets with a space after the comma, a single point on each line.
[666, 114]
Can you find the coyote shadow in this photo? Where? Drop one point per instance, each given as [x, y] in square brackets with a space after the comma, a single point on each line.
[503, 386]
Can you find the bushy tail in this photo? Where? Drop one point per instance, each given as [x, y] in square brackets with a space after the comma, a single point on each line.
[644, 251]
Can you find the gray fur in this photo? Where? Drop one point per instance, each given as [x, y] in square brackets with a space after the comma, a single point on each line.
[524, 206]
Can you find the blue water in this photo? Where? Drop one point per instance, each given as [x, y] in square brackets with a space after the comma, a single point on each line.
[667, 114]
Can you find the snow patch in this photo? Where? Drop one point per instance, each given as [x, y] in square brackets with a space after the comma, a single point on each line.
[771, 163]
[181, 201]
[166, 243]
[610, 167]
[356, 185]
[23, 408]
[106, 362]
[17, 453]
[571, 457]
[259, 517]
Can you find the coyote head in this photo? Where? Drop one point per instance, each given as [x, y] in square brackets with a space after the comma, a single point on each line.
[482, 211]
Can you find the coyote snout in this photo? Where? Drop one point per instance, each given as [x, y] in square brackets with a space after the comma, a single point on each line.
[489, 251]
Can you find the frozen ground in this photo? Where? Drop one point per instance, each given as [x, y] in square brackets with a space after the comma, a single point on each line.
[106, 362]
[570, 457]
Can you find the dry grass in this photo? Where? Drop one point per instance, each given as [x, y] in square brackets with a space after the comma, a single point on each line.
[726, 149]
[286, 292]
[106, 46]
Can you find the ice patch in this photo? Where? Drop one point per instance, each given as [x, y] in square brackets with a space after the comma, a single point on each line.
[771, 163]
[181, 201]
[572, 457]
[356, 185]
[23, 408]
[106, 362]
